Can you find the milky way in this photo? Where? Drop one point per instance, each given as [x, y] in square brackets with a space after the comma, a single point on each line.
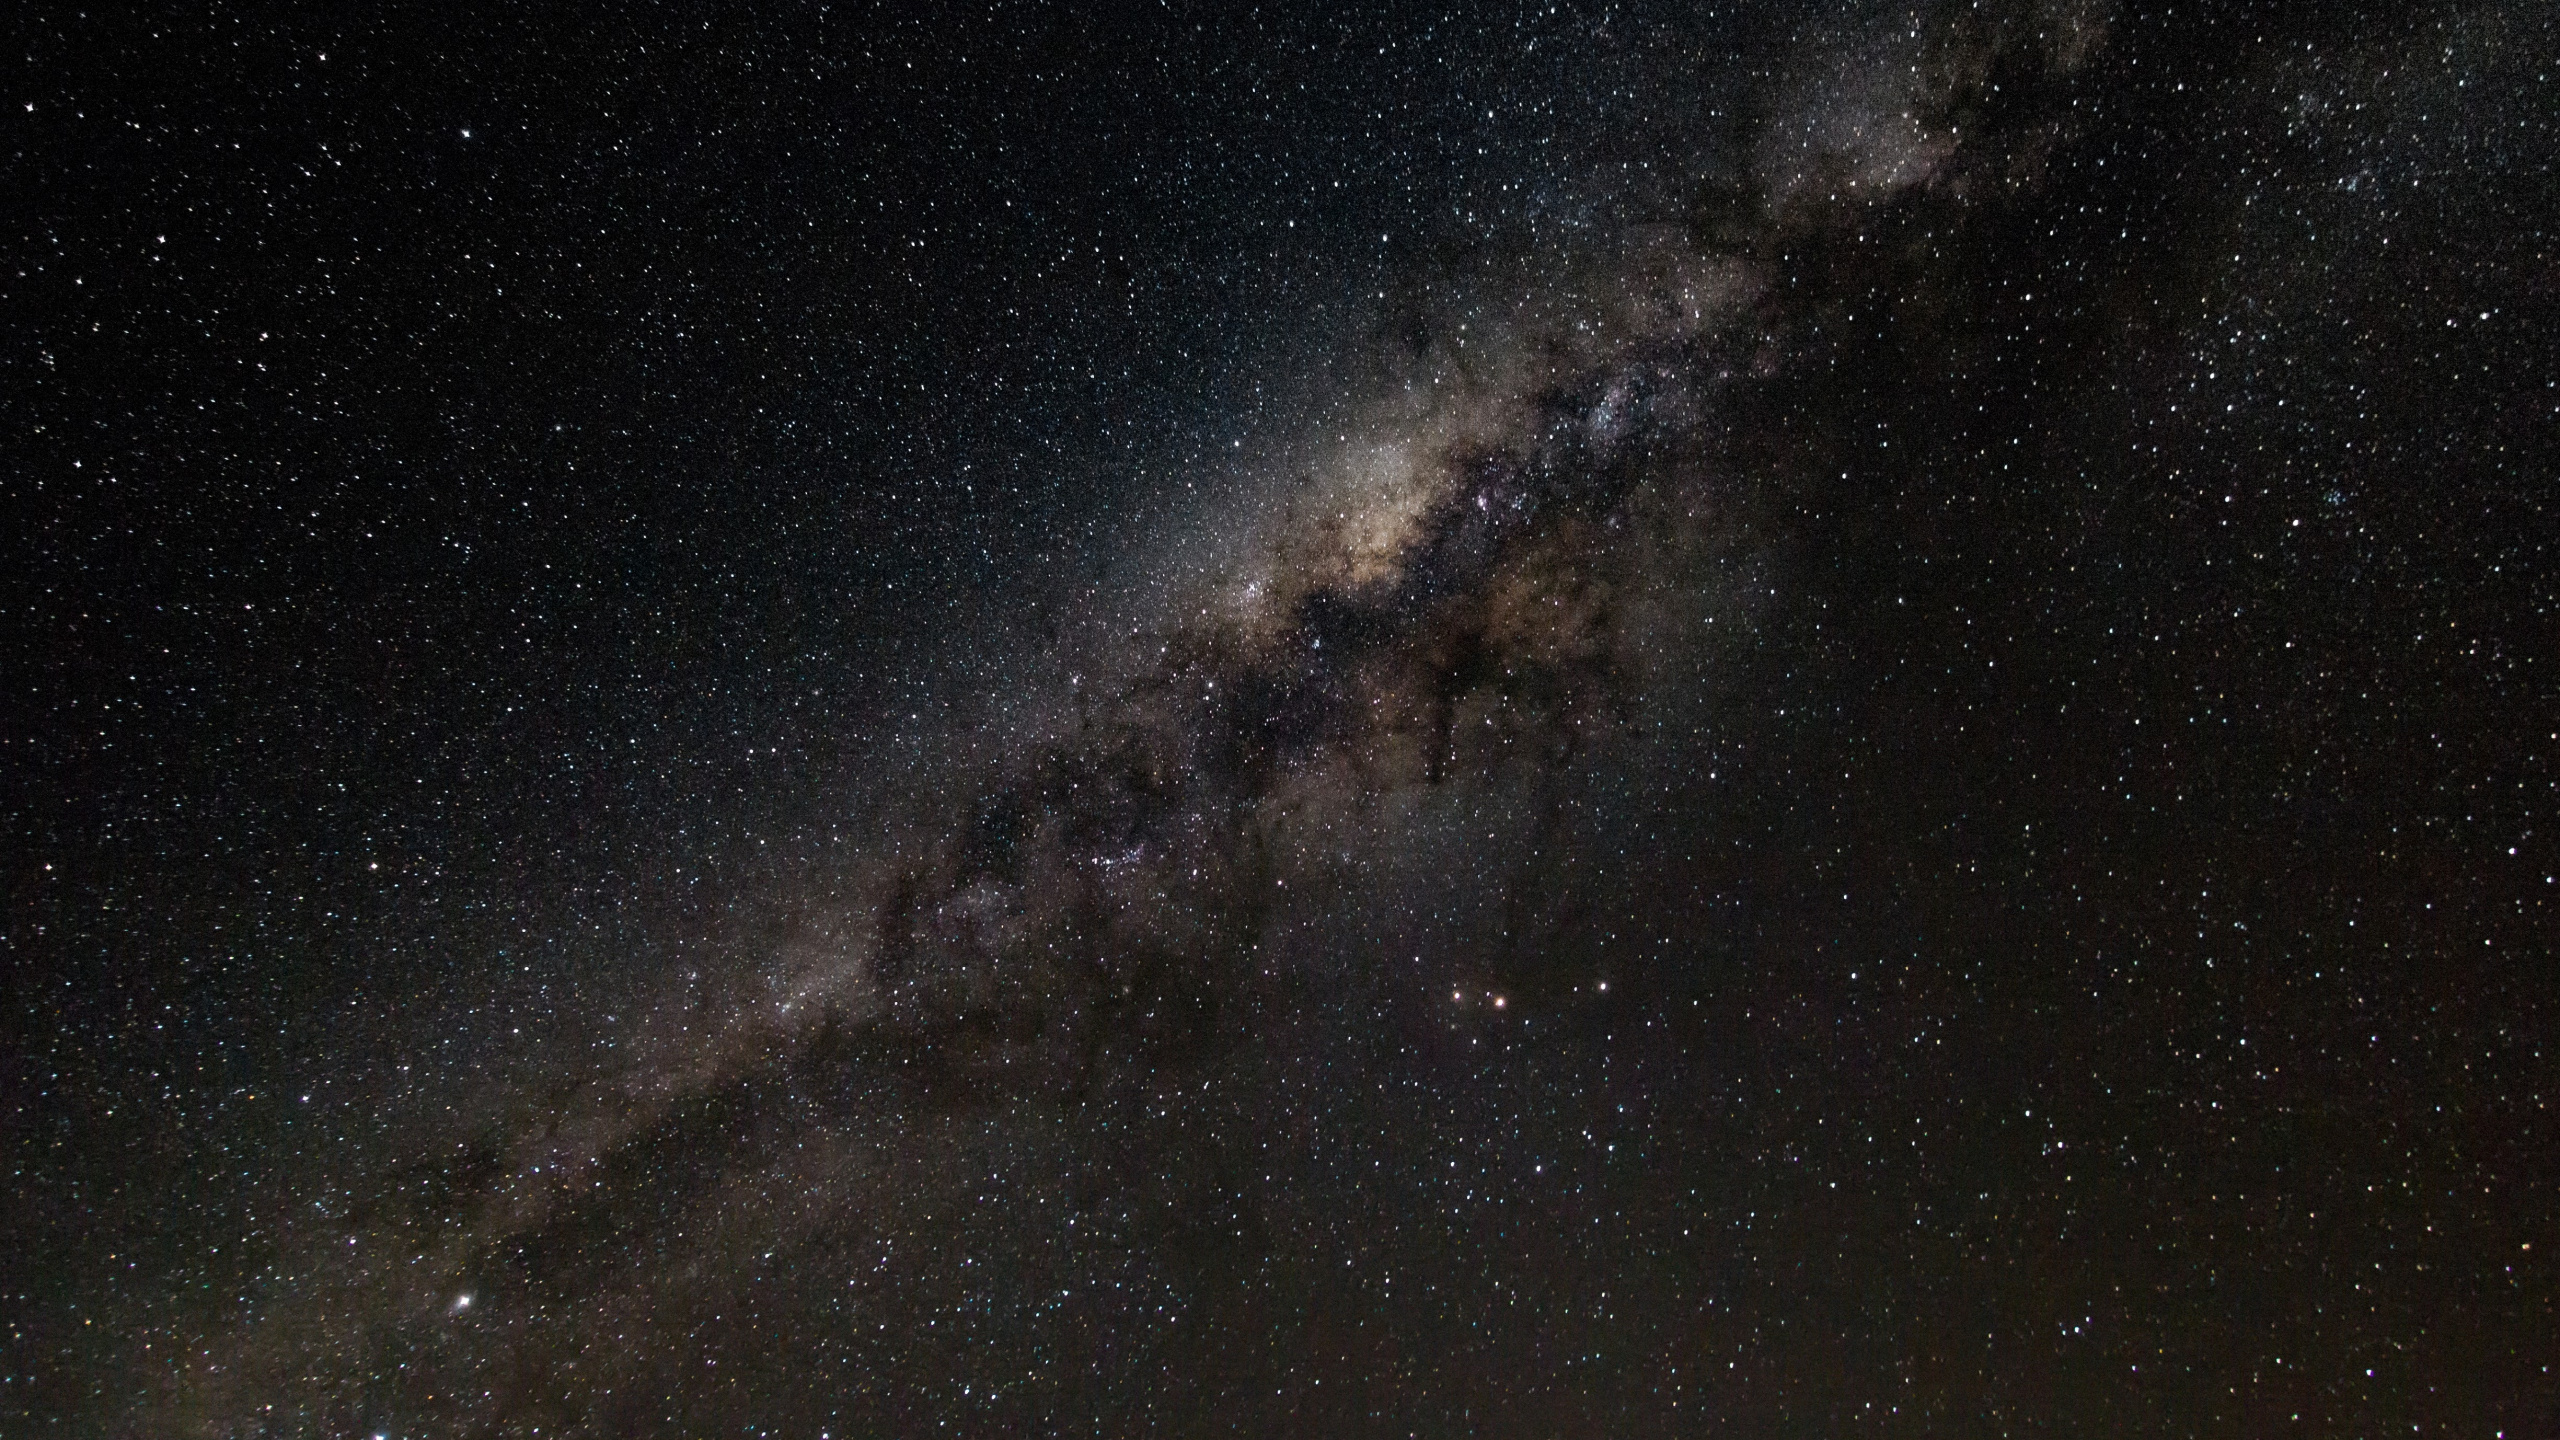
[1561, 881]
[1447, 632]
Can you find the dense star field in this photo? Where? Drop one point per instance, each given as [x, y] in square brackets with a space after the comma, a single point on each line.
[1644, 719]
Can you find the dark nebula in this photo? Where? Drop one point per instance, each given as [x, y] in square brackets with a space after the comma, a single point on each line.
[1057, 721]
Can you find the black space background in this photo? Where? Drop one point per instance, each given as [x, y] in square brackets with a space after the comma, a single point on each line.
[441, 572]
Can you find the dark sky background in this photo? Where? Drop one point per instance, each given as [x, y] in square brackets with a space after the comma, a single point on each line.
[1643, 719]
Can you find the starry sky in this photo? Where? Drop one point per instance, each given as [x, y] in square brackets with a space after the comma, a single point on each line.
[1634, 719]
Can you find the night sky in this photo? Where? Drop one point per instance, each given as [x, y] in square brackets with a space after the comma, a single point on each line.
[1610, 720]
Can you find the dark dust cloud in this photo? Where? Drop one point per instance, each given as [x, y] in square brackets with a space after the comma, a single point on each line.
[1608, 720]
